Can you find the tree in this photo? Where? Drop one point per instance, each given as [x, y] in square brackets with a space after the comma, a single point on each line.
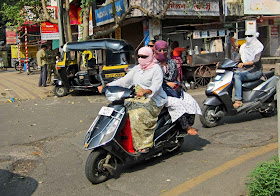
[118, 21]
[15, 12]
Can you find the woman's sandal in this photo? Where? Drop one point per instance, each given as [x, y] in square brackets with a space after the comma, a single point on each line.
[237, 104]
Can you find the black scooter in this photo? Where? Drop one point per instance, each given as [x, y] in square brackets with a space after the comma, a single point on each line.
[107, 139]
[258, 95]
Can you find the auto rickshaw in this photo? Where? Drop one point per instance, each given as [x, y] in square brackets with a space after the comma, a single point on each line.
[106, 58]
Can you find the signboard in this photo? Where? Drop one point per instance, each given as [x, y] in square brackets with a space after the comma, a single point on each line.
[104, 15]
[32, 50]
[222, 32]
[204, 34]
[90, 23]
[196, 35]
[251, 25]
[262, 7]
[74, 15]
[213, 33]
[146, 32]
[11, 36]
[49, 31]
[118, 33]
[80, 32]
[202, 8]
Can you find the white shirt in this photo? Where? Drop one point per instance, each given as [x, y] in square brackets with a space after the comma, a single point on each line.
[149, 79]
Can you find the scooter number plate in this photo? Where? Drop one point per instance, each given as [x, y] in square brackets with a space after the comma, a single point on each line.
[106, 111]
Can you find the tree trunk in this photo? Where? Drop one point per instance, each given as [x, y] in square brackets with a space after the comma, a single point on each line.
[68, 26]
[47, 16]
[86, 23]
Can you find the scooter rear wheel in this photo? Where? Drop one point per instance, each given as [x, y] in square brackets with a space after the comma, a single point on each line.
[206, 118]
[95, 170]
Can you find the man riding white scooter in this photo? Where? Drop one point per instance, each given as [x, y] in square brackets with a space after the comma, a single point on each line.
[249, 67]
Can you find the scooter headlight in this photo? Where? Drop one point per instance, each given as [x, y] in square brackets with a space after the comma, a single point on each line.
[109, 131]
[113, 96]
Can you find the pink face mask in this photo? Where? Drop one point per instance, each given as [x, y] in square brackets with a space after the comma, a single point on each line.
[145, 58]
[161, 50]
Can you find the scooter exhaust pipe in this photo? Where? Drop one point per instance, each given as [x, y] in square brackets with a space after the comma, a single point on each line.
[219, 114]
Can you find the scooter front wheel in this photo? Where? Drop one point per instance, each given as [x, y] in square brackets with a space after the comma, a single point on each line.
[96, 168]
[208, 118]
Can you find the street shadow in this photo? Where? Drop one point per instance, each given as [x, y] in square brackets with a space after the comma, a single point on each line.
[16, 185]
[191, 143]
[241, 118]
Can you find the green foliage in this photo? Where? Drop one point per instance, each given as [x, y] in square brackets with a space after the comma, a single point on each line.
[86, 3]
[13, 11]
[264, 180]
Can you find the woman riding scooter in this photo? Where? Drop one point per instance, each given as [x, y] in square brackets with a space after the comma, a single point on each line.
[249, 67]
[150, 98]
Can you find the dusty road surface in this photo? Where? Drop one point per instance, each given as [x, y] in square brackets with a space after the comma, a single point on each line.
[41, 153]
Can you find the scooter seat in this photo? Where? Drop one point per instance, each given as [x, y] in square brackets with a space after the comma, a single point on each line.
[250, 85]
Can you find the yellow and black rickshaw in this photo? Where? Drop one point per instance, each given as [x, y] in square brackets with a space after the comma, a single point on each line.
[102, 59]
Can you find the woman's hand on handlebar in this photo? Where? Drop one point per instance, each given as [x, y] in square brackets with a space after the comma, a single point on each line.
[142, 92]
[100, 88]
[240, 65]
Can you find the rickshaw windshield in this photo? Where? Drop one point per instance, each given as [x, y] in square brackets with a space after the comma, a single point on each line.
[119, 58]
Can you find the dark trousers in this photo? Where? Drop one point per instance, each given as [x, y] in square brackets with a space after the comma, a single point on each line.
[51, 68]
[43, 76]
[186, 120]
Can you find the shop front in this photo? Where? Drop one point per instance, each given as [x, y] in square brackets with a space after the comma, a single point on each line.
[198, 29]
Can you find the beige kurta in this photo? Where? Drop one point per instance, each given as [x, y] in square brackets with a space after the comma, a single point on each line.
[41, 58]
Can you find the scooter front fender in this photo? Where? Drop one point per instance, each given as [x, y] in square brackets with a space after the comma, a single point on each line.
[212, 100]
[104, 128]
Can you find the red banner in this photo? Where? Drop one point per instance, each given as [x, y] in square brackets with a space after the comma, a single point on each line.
[11, 36]
[74, 15]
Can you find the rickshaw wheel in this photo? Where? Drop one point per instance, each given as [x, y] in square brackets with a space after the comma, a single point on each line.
[60, 91]
[202, 75]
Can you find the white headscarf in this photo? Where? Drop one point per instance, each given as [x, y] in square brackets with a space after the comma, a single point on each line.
[252, 47]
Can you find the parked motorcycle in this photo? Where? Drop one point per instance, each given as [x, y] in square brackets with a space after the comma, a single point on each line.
[109, 137]
[31, 64]
[258, 95]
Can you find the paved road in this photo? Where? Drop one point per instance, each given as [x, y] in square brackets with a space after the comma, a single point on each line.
[41, 153]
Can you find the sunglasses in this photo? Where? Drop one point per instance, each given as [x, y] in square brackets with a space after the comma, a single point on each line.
[162, 50]
[151, 45]
[142, 56]
[249, 35]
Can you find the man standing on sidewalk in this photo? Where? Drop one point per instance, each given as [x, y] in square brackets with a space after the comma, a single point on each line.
[51, 57]
[42, 63]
